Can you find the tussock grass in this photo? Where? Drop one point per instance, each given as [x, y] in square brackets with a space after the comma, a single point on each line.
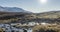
[46, 28]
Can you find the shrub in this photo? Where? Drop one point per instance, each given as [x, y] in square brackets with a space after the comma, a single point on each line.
[46, 28]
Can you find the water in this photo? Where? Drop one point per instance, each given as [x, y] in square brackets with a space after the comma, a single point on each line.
[29, 30]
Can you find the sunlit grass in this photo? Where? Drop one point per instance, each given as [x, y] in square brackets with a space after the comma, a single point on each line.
[44, 28]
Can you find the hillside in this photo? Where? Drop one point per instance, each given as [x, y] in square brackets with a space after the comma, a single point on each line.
[20, 17]
[13, 9]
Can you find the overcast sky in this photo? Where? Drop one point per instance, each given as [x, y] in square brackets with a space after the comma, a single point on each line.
[32, 5]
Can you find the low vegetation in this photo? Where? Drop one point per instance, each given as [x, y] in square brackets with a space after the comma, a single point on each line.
[16, 17]
[47, 28]
[2, 29]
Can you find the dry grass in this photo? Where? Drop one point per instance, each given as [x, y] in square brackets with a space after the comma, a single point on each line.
[47, 28]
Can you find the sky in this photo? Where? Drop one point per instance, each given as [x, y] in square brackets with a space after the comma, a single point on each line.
[35, 6]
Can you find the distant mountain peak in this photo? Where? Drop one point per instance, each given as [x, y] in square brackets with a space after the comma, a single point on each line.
[13, 9]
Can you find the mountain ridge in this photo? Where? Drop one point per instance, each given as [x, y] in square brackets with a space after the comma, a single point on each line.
[13, 9]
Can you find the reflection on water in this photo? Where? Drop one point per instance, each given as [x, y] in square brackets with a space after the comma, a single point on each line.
[29, 30]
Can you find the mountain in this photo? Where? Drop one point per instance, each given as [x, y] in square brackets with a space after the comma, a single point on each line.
[13, 9]
[19, 17]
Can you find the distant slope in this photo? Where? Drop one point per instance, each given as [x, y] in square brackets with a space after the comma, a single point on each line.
[13, 9]
[20, 17]
[52, 14]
